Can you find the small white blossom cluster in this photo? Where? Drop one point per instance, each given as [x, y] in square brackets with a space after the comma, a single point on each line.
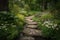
[4, 26]
[49, 24]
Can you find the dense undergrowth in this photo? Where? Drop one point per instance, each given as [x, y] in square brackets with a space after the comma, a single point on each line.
[11, 23]
[49, 25]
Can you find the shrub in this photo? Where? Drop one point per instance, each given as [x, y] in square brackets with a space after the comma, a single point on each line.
[48, 25]
[8, 27]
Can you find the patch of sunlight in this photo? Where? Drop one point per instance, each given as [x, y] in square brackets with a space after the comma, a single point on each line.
[21, 23]
[20, 16]
[23, 11]
[46, 16]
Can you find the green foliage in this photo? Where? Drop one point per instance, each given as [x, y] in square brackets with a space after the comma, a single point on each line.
[8, 27]
[47, 16]
[49, 31]
[12, 23]
[18, 15]
[43, 16]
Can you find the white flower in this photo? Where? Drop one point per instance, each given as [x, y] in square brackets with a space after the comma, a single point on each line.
[55, 25]
[48, 26]
[2, 24]
[57, 28]
[46, 22]
[0, 27]
[49, 23]
[5, 28]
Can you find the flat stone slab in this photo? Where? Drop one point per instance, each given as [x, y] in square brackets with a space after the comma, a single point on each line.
[28, 20]
[32, 23]
[27, 38]
[30, 17]
[32, 32]
[32, 26]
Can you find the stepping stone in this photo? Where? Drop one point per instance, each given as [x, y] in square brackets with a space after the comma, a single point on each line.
[32, 32]
[27, 38]
[31, 26]
[30, 17]
[28, 20]
[31, 23]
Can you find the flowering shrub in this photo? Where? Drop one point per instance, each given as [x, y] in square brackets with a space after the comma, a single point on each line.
[49, 24]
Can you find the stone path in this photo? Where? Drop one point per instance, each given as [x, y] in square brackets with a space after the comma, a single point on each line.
[30, 29]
